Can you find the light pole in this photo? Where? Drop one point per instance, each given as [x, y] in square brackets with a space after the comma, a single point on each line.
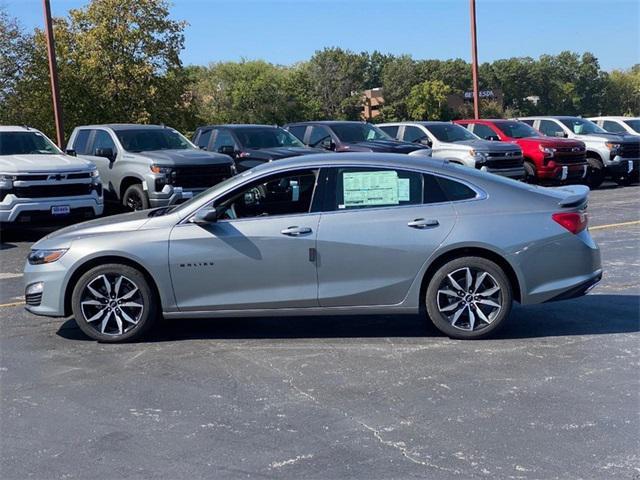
[474, 60]
[53, 73]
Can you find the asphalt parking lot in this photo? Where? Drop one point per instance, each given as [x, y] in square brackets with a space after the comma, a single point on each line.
[555, 395]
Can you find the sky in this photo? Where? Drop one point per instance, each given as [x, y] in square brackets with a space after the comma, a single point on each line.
[288, 31]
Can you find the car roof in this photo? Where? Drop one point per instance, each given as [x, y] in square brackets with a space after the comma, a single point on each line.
[237, 125]
[126, 126]
[17, 128]
[357, 158]
[425, 123]
[325, 122]
[612, 117]
[557, 117]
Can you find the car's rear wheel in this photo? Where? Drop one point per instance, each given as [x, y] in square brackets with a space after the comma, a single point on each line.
[595, 172]
[135, 198]
[530, 173]
[114, 303]
[469, 298]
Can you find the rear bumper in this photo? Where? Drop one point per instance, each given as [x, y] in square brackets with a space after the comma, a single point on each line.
[580, 289]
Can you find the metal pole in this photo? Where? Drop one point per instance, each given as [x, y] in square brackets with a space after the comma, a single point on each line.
[53, 73]
[474, 60]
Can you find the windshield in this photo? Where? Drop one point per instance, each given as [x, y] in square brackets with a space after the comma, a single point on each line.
[580, 126]
[266, 138]
[517, 129]
[149, 139]
[450, 132]
[634, 124]
[358, 132]
[26, 143]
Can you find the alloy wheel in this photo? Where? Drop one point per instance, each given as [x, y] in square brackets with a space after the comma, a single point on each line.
[134, 202]
[112, 304]
[469, 298]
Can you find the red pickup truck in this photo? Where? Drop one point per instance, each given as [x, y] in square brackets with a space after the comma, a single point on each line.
[547, 159]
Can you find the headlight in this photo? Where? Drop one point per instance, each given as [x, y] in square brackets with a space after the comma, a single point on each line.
[95, 173]
[159, 169]
[6, 180]
[614, 147]
[38, 257]
[480, 157]
[548, 151]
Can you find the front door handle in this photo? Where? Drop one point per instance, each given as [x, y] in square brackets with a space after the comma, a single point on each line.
[422, 223]
[296, 231]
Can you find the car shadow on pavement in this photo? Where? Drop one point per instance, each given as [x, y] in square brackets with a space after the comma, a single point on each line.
[590, 315]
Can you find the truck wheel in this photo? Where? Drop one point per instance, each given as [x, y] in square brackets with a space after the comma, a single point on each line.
[595, 172]
[135, 198]
[530, 173]
[469, 298]
[114, 303]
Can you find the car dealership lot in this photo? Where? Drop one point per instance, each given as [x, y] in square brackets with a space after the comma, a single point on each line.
[554, 395]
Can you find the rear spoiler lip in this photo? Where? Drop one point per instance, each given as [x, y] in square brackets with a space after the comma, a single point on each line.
[578, 196]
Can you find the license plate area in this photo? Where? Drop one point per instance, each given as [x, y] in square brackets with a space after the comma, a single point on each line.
[60, 210]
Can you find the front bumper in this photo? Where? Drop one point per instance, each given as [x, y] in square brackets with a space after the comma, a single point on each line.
[560, 173]
[14, 209]
[53, 277]
[623, 166]
[170, 195]
[516, 173]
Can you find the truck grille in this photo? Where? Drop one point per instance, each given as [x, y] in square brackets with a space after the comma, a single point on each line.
[569, 155]
[49, 191]
[630, 150]
[509, 162]
[200, 177]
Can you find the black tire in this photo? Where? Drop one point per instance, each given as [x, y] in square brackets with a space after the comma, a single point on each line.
[595, 172]
[634, 177]
[530, 175]
[135, 321]
[135, 198]
[435, 302]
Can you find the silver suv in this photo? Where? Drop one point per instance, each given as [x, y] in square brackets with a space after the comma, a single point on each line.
[458, 145]
[145, 166]
[38, 183]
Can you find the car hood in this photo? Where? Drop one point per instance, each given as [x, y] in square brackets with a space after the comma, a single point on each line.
[390, 146]
[610, 137]
[42, 163]
[276, 153]
[116, 223]
[488, 146]
[184, 157]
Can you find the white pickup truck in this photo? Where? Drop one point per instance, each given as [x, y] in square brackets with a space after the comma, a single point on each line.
[40, 184]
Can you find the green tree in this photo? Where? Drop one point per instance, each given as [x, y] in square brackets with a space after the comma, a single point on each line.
[621, 94]
[399, 75]
[15, 52]
[118, 62]
[428, 100]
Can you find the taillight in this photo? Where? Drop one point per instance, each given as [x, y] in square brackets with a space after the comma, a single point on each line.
[575, 222]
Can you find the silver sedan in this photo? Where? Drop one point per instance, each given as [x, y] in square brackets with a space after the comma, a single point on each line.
[327, 234]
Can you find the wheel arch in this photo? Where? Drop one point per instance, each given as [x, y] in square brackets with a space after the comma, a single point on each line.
[125, 183]
[475, 251]
[96, 261]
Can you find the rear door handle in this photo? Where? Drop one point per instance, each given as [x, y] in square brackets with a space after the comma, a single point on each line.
[296, 231]
[422, 223]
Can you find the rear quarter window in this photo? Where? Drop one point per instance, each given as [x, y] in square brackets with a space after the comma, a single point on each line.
[455, 191]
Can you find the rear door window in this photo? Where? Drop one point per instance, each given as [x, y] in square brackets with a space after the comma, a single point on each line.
[363, 187]
[613, 127]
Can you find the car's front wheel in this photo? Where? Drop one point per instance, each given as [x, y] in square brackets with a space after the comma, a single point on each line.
[135, 198]
[113, 303]
[469, 298]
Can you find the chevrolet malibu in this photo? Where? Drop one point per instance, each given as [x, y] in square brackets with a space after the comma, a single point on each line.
[358, 233]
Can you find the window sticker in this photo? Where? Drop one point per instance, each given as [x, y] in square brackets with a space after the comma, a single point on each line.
[362, 189]
[404, 189]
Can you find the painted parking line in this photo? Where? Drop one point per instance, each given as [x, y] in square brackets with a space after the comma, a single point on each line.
[14, 304]
[614, 225]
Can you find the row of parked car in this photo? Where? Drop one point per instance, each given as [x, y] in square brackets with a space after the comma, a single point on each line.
[144, 166]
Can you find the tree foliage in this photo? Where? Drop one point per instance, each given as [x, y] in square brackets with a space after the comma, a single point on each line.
[119, 61]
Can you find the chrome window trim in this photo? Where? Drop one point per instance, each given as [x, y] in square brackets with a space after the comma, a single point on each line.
[480, 193]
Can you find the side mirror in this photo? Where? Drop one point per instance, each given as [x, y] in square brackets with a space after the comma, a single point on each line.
[206, 216]
[560, 134]
[493, 138]
[328, 144]
[70, 151]
[227, 150]
[106, 153]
